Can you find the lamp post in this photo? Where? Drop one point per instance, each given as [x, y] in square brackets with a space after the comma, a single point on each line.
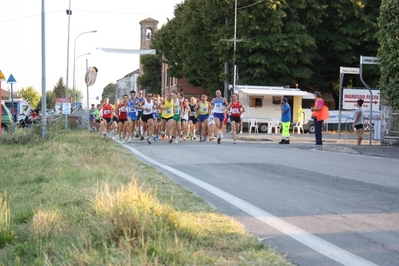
[74, 78]
[235, 45]
[74, 56]
[69, 13]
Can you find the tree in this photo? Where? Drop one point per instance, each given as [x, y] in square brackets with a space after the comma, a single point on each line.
[348, 30]
[109, 92]
[152, 66]
[388, 54]
[31, 95]
[287, 42]
[59, 88]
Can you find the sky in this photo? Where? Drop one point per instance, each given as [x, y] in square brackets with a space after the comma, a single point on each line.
[117, 25]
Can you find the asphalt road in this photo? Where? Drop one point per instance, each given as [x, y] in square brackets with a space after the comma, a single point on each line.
[317, 207]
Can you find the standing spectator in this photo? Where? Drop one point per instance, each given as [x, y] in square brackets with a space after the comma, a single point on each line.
[92, 116]
[285, 121]
[358, 121]
[318, 116]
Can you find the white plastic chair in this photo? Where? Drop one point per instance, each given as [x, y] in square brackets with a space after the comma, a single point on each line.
[299, 127]
[269, 126]
[276, 125]
[253, 123]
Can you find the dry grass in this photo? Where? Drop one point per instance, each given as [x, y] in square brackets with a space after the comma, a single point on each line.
[78, 200]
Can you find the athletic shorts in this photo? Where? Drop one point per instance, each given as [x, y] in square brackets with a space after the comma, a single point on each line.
[91, 118]
[122, 120]
[139, 115]
[107, 119]
[98, 121]
[154, 116]
[177, 118]
[145, 118]
[115, 118]
[359, 126]
[132, 116]
[236, 119]
[219, 115]
[167, 119]
[193, 119]
[202, 118]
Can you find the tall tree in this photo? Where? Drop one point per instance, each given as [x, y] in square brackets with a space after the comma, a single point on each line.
[348, 30]
[109, 91]
[388, 53]
[152, 67]
[59, 88]
[31, 95]
[288, 42]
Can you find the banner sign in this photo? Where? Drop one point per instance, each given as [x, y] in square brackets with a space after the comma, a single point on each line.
[350, 97]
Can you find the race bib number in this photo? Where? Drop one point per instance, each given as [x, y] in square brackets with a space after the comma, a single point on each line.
[106, 112]
[204, 109]
[132, 110]
[234, 110]
[218, 105]
[211, 119]
[122, 109]
[177, 111]
[168, 111]
[193, 113]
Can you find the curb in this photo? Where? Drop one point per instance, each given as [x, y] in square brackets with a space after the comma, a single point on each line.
[340, 149]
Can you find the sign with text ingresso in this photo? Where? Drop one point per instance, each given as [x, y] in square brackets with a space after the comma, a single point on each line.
[350, 97]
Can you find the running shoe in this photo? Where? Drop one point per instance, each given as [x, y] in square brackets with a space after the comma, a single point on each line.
[141, 137]
[221, 135]
[163, 136]
[180, 140]
[219, 140]
[194, 138]
[282, 141]
[170, 140]
[136, 135]
[235, 142]
[122, 140]
[148, 141]
[129, 140]
[154, 138]
[120, 137]
[176, 141]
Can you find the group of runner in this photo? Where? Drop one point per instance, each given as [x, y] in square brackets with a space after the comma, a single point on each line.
[173, 118]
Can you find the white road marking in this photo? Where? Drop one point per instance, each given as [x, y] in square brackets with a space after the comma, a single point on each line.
[326, 248]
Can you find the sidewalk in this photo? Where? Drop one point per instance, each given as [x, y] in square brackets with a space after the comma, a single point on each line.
[331, 142]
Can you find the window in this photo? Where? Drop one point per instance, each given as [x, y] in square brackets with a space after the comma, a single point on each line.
[255, 102]
[148, 34]
[307, 103]
[277, 99]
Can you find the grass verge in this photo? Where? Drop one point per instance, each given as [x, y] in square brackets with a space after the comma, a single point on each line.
[80, 199]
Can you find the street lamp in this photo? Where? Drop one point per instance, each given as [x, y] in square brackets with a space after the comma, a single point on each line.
[74, 56]
[235, 45]
[74, 77]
